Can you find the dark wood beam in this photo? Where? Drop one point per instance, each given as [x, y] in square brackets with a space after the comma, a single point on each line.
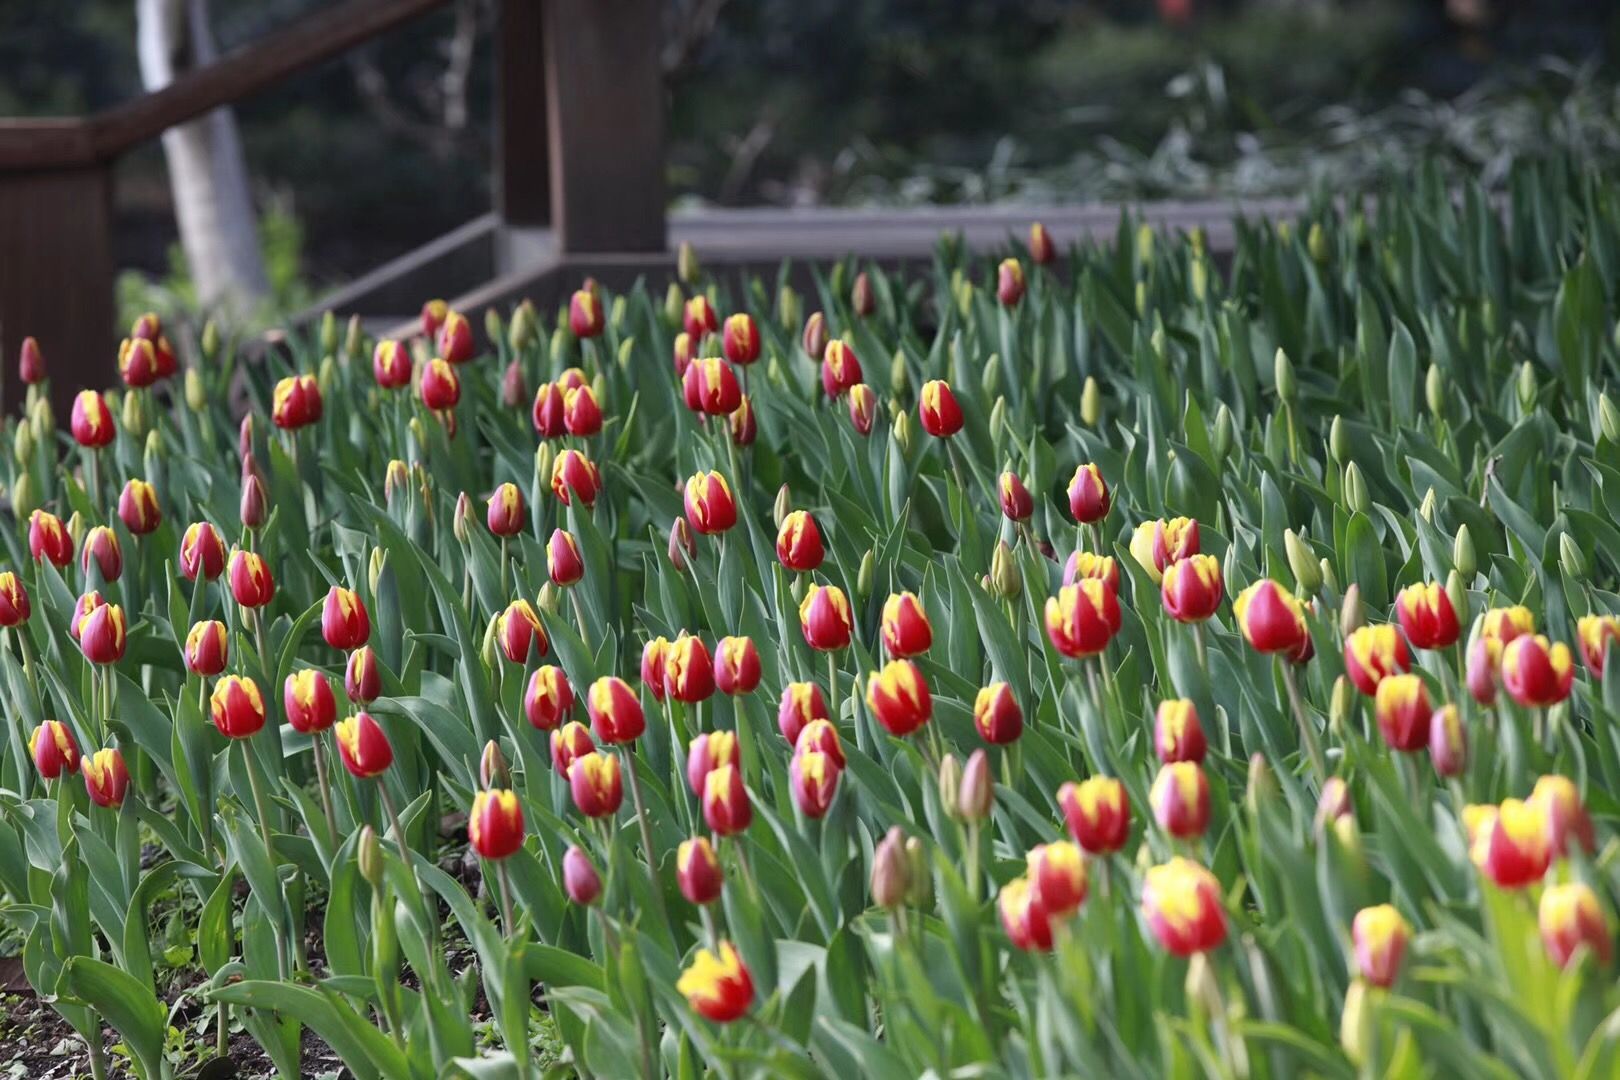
[522, 168]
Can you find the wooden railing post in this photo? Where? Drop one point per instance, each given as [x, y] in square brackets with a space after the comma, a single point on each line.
[522, 170]
[605, 124]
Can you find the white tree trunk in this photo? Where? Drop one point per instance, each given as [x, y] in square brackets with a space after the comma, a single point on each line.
[207, 172]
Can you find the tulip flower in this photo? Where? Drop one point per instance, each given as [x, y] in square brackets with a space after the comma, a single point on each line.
[1082, 618]
[574, 476]
[252, 508]
[615, 711]
[1272, 619]
[455, 340]
[813, 778]
[365, 750]
[548, 698]
[1009, 283]
[709, 506]
[891, 870]
[820, 736]
[1536, 672]
[202, 551]
[898, 697]
[564, 565]
[91, 422]
[596, 784]
[1506, 623]
[710, 387]
[1448, 741]
[580, 880]
[14, 605]
[53, 749]
[717, 985]
[1177, 734]
[82, 608]
[706, 753]
[1180, 799]
[740, 339]
[798, 542]
[1373, 653]
[31, 363]
[1041, 249]
[861, 297]
[237, 707]
[682, 546]
[1191, 589]
[586, 319]
[1085, 564]
[106, 777]
[548, 412]
[688, 670]
[1512, 848]
[1181, 902]
[344, 622]
[802, 704]
[1157, 544]
[504, 511]
[101, 547]
[1098, 813]
[1024, 920]
[941, 416]
[736, 665]
[582, 414]
[813, 338]
[726, 807]
[137, 363]
[862, 408]
[683, 352]
[1402, 706]
[1016, 502]
[1484, 669]
[1380, 935]
[307, 699]
[295, 402]
[495, 825]
[569, 743]
[1560, 800]
[433, 316]
[49, 539]
[906, 629]
[699, 318]
[138, 508]
[101, 634]
[251, 583]
[362, 676]
[652, 666]
[840, 368]
[391, 365]
[996, 715]
[441, 386]
[697, 871]
[1057, 878]
[1594, 633]
[1426, 616]
[519, 634]
[1088, 495]
[824, 618]
[206, 648]
[1569, 917]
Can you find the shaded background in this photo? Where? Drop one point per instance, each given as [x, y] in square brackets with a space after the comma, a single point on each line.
[793, 102]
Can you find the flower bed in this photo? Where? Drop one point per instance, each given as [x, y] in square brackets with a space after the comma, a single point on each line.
[1091, 663]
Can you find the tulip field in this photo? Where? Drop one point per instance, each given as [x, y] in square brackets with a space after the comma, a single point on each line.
[1086, 659]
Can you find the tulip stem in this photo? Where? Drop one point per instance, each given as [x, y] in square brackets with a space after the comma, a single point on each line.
[324, 782]
[1201, 648]
[646, 836]
[503, 567]
[1307, 732]
[505, 885]
[710, 931]
[973, 860]
[399, 830]
[263, 814]
[579, 614]
[832, 685]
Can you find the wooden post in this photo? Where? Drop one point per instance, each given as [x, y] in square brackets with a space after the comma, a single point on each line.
[522, 169]
[605, 124]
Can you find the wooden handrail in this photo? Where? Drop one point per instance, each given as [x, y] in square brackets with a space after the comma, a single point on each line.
[47, 144]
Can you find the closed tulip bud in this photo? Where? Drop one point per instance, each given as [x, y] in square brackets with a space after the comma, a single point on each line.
[101, 634]
[391, 365]
[495, 824]
[824, 618]
[1527, 387]
[1157, 544]
[1427, 617]
[814, 339]
[23, 443]
[295, 402]
[941, 416]
[1090, 403]
[23, 502]
[1016, 502]
[989, 380]
[31, 363]
[1567, 819]
[1282, 373]
[106, 778]
[41, 420]
[1608, 419]
[1569, 918]
[898, 697]
[652, 666]
[441, 386]
[1484, 669]
[1180, 799]
[519, 633]
[1571, 559]
[547, 411]
[798, 541]
[207, 649]
[1351, 617]
[1593, 632]
[563, 561]
[710, 508]
[196, 391]
[1023, 918]
[996, 715]
[736, 665]
[76, 528]
[14, 604]
[717, 984]
[344, 622]
[1372, 653]
[891, 870]
[1192, 589]
[740, 339]
[133, 414]
[901, 432]
[1082, 618]
[698, 872]
[781, 507]
[364, 749]
[1302, 563]
[1434, 390]
[813, 778]
[1404, 711]
[237, 707]
[574, 476]
[586, 319]
[710, 387]
[253, 509]
[726, 806]
[1181, 902]
[1089, 498]
[1448, 742]
[864, 575]
[1379, 935]
[1512, 847]
[362, 679]
[1177, 734]
[698, 318]
[1098, 813]
[840, 368]
[1341, 704]
[493, 769]
[1355, 490]
[1005, 579]
[202, 552]
[433, 316]
[1042, 251]
[138, 507]
[53, 749]
[906, 629]
[580, 880]
[91, 422]
[1262, 784]
[742, 425]
[688, 670]
[802, 704]
[251, 583]
[49, 539]
[101, 547]
[682, 545]
[615, 711]
[1536, 672]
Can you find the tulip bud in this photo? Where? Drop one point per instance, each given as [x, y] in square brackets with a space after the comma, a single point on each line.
[544, 460]
[493, 770]
[1608, 419]
[1571, 559]
[23, 502]
[899, 374]
[1527, 387]
[1462, 555]
[1091, 402]
[674, 304]
[1342, 704]
[1262, 786]
[368, 855]
[210, 340]
[863, 578]
[1355, 1024]
[1225, 436]
[1303, 563]
[1427, 507]
[977, 790]
[1283, 372]
[687, 268]
[997, 421]
[783, 505]
[580, 880]
[1355, 490]
[990, 376]
[196, 392]
[1338, 441]
[919, 881]
[24, 443]
[1005, 579]
[134, 415]
[950, 786]
[1434, 390]
[891, 870]
[862, 298]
